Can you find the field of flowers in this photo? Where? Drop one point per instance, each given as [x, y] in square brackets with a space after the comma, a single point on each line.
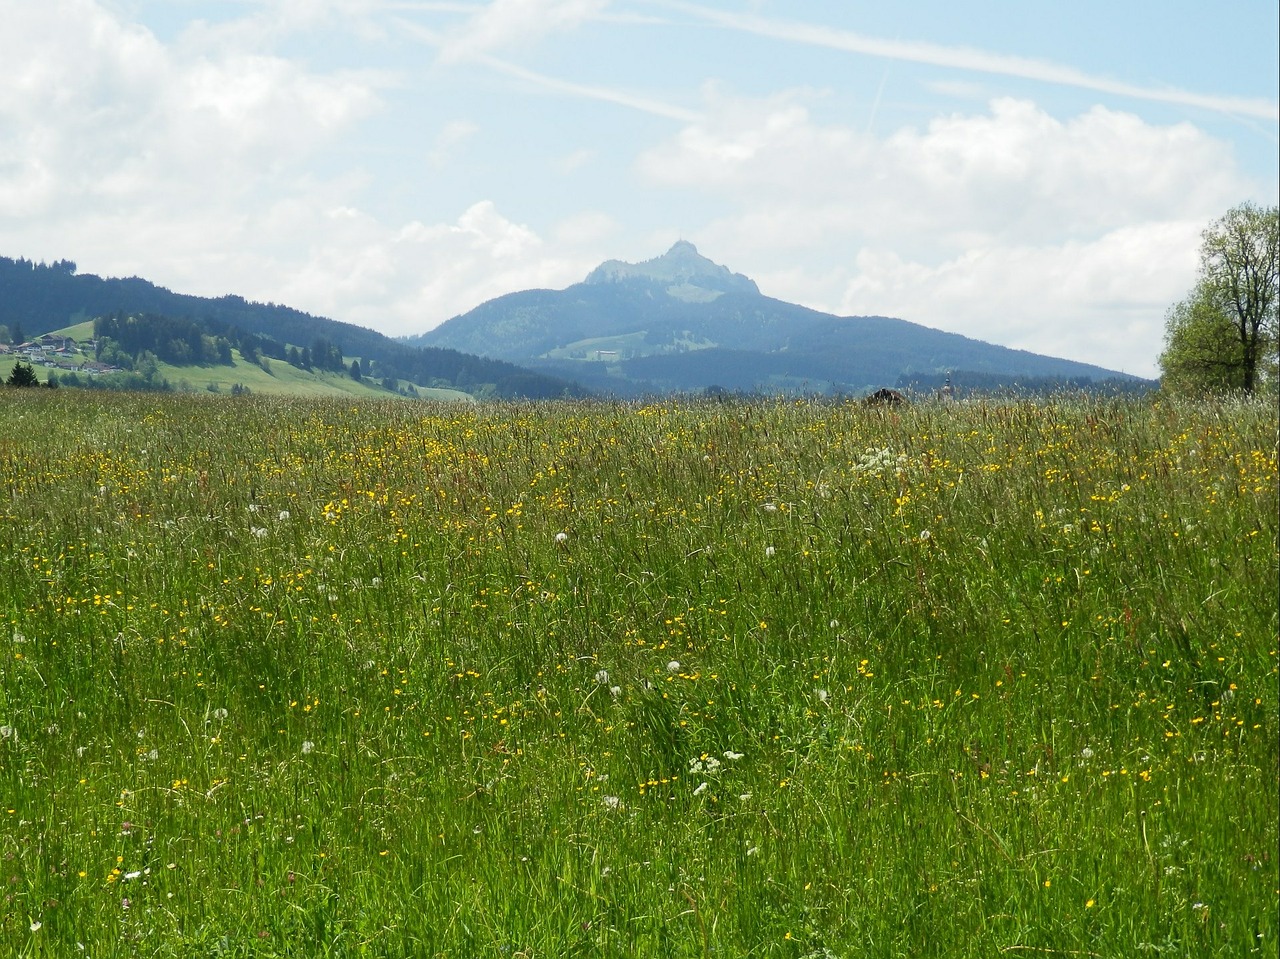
[323, 678]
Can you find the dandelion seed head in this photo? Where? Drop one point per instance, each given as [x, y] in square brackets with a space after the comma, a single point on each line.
[602, 677]
[769, 551]
[562, 538]
[673, 666]
[307, 746]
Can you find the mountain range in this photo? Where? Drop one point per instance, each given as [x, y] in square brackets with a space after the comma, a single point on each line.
[676, 323]
[681, 322]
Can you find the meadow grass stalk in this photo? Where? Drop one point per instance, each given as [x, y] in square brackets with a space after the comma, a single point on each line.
[778, 678]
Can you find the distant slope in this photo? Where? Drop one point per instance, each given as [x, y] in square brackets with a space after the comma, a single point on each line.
[264, 376]
[39, 298]
[682, 322]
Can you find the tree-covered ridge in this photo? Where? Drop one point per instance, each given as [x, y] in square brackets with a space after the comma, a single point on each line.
[38, 298]
[177, 341]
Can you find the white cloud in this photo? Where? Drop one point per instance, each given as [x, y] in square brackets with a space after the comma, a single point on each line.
[135, 158]
[410, 278]
[504, 24]
[132, 123]
[1002, 224]
[1101, 301]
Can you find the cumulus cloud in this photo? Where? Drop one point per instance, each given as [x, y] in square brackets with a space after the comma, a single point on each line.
[133, 121]
[156, 160]
[408, 278]
[984, 222]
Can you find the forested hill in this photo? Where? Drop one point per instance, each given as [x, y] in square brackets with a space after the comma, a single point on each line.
[38, 298]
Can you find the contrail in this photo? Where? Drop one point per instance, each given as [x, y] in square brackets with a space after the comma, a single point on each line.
[964, 58]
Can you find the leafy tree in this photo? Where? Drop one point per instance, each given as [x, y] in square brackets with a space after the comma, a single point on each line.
[1202, 353]
[23, 374]
[355, 370]
[1224, 335]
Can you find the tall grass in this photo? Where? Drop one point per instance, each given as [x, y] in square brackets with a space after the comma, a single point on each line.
[771, 679]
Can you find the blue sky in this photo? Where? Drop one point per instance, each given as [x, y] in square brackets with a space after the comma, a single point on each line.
[1032, 174]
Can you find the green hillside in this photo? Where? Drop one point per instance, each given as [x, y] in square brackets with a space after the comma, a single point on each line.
[39, 298]
[268, 377]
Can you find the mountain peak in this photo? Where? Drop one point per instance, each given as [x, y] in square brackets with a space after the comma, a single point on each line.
[686, 274]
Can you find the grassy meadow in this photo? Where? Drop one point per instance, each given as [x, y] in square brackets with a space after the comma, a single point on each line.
[288, 677]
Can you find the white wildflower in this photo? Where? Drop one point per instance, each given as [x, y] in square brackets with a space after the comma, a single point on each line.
[307, 746]
[36, 925]
[701, 789]
[730, 754]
